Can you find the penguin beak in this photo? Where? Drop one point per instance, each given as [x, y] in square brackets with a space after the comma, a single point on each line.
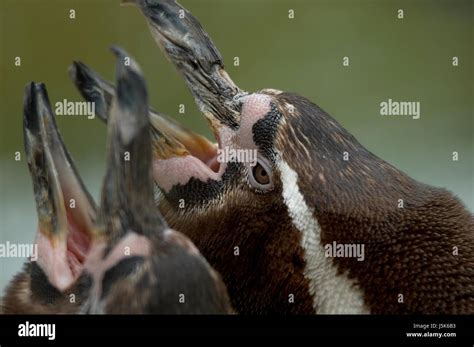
[179, 154]
[183, 40]
[127, 193]
[169, 138]
[66, 211]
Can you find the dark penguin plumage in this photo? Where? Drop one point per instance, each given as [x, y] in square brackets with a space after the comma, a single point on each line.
[122, 257]
[419, 240]
[265, 227]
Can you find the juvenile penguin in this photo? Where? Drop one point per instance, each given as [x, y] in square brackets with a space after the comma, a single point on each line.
[313, 222]
[145, 267]
[66, 213]
[121, 258]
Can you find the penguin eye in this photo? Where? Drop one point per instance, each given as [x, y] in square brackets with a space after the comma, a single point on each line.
[260, 176]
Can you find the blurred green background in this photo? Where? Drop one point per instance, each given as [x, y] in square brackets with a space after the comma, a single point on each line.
[406, 60]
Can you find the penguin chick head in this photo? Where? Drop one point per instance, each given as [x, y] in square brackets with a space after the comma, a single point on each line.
[51, 281]
[121, 257]
[142, 266]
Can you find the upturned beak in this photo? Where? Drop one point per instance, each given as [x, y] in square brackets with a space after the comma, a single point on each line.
[66, 211]
[127, 194]
[179, 154]
[169, 138]
[186, 44]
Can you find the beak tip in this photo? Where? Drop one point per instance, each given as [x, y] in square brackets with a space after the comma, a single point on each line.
[78, 73]
[123, 60]
[35, 96]
[42, 98]
[117, 51]
[126, 65]
[29, 105]
[40, 89]
[29, 93]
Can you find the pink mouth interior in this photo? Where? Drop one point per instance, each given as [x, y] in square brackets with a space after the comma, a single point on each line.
[200, 164]
[78, 245]
[208, 155]
[211, 161]
[62, 257]
[213, 164]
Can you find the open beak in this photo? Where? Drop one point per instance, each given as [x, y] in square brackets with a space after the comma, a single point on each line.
[169, 138]
[66, 211]
[179, 154]
[186, 44]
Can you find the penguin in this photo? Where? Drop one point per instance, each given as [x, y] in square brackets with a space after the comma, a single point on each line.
[162, 270]
[52, 282]
[314, 222]
[121, 257]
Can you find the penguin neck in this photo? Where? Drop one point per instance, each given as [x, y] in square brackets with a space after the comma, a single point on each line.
[338, 191]
[260, 259]
[331, 292]
[30, 292]
[340, 201]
